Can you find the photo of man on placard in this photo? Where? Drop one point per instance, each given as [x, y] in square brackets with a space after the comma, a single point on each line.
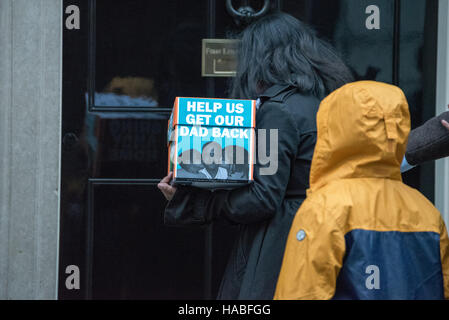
[212, 157]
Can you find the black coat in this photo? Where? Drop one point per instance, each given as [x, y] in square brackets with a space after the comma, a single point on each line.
[429, 141]
[264, 209]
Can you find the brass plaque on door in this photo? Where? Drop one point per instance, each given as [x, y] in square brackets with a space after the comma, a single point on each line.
[219, 58]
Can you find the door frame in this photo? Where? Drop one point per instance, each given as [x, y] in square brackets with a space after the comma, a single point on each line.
[442, 102]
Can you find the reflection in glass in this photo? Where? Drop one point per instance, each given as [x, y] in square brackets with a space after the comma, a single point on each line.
[128, 91]
[135, 256]
[147, 60]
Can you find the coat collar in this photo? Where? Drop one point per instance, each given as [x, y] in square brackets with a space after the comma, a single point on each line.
[276, 92]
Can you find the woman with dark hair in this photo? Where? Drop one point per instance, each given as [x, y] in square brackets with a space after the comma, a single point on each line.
[289, 70]
[281, 50]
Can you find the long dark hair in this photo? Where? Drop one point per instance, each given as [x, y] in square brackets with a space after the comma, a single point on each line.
[280, 49]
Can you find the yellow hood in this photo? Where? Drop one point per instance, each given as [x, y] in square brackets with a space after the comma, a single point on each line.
[363, 129]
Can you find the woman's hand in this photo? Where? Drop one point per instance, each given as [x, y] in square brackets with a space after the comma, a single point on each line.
[167, 189]
[445, 123]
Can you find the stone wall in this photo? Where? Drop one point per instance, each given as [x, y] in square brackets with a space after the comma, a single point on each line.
[30, 126]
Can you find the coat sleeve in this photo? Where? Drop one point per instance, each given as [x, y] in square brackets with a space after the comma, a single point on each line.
[262, 198]
[444, 253]
[313, 256]
[429, 141]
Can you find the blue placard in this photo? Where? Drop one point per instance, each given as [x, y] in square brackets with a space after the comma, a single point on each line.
[231, 144]
[216, 112]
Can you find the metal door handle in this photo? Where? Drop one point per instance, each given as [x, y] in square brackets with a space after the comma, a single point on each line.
[246, 11]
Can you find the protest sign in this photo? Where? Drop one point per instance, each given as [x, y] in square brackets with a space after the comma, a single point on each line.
[211, 142]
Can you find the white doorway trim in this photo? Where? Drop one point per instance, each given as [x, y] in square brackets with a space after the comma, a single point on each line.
[442, 102]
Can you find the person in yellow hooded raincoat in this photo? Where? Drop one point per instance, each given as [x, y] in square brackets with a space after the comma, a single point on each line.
[362, 233]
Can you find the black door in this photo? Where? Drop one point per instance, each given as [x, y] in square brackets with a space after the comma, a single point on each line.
[121, 72]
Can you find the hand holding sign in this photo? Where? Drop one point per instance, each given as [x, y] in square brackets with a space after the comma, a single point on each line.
[167, 189]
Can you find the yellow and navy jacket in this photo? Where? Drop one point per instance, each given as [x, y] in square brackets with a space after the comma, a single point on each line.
[362, 233]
